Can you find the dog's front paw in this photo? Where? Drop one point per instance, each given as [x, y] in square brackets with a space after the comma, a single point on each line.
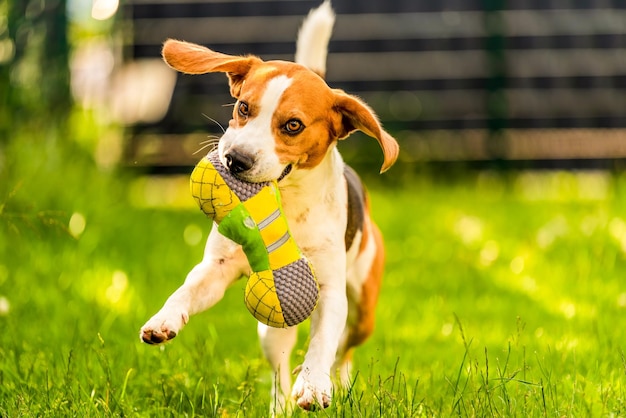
[163, 327]
[312, 389]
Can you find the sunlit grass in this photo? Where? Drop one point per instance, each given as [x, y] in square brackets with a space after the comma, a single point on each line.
[504, 296]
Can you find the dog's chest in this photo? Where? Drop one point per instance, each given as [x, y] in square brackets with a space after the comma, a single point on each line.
[317, 218]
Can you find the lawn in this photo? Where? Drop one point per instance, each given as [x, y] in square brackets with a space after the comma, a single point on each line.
[504, 295]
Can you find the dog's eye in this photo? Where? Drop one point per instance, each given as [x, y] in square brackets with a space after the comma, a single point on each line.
[293, 126]
[243, 109]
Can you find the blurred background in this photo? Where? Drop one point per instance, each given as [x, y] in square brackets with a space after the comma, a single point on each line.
[92, 120]
[543, 83]
[501, 109]
[471, 80]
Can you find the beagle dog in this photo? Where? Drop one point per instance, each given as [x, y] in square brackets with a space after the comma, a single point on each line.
[285, 126]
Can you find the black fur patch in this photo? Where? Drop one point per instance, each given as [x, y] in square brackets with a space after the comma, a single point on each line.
[356, 202]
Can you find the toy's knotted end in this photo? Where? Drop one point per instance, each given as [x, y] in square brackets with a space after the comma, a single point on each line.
[283, 297]
[262, 300]
[211, 192]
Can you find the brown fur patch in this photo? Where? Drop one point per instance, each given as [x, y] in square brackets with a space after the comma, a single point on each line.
[327, 114]
[302, 217]
[364, 325]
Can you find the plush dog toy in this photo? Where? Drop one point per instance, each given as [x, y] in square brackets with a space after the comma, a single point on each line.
[282, 289]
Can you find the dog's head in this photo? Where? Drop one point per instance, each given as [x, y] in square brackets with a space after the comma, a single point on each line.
[286, 117]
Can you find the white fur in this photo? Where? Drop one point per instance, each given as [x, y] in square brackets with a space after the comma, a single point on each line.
[255, 137]
[313, 38]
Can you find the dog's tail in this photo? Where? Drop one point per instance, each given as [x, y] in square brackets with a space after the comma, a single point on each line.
[313, 38]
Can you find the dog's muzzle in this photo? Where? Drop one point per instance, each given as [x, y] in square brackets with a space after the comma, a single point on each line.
[237, 162]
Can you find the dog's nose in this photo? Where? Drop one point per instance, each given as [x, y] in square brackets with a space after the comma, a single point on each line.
[237, 162]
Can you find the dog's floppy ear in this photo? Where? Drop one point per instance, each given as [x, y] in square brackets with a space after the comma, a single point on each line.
[355, 114]
[191, 58]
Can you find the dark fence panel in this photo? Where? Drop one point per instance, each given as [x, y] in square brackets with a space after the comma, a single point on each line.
[484, 68]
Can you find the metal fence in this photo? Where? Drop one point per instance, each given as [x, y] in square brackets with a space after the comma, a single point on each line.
[452, 79]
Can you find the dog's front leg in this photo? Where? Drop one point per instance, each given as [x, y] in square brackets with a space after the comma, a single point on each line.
[223, 263]
[313, 385]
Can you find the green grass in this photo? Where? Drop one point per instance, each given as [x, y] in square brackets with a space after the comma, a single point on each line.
[504, 296]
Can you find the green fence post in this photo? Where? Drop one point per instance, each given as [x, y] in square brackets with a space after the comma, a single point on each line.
[496, 105]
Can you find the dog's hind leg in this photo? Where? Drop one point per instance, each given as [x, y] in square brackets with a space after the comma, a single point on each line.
[277, 344]
[362, 300]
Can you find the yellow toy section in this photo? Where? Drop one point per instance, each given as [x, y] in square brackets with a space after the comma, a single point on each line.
[282, 290]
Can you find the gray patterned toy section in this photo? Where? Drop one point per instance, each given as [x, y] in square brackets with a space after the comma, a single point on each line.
[298, 298]
[243, 189]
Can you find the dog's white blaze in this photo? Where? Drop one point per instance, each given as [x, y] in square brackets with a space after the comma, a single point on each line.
[256, 137]
[271, 97]
[257, 132]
